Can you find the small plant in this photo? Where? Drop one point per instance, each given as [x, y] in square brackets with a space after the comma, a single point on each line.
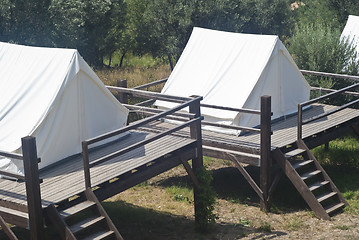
[265, 227]
[181, 193]
[179, 198]
[206, 200]
[293, 224]
[342, 227]
[245, 222]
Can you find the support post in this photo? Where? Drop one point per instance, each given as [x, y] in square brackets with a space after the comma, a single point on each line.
[122, 97]
[32, 182]
[326, 146]
[85, 159]
[197, 163]
[300, 122]
[266, 161]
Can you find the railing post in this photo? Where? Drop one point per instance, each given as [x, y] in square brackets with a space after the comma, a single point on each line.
[32, 182]
[197, 163]
[300, 123]
[86, 161]
[122, 97]
[265, 151]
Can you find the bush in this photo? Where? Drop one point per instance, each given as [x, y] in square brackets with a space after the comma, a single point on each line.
[318, 48]
[206, 200]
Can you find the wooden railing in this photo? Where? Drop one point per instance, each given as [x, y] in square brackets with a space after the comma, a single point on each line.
[32, 183]
[194, 119]
[331, 93]
[264, 130]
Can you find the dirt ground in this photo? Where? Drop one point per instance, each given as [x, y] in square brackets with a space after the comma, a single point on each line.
[237, 209]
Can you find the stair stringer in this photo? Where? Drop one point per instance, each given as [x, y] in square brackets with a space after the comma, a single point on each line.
[300, 185]
[302, 145]
[92, 197]
[59, 223]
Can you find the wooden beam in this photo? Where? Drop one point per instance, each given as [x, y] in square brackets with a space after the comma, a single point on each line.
[7, 229]
[248, 177]
[247, 158]
[154, 83]
[190, 173]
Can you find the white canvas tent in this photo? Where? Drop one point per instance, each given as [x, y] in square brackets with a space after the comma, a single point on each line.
[351, 32]
[53, 95]
[235, 70]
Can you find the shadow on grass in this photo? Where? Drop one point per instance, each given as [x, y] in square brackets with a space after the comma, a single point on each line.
[135, 222]
[229, 184]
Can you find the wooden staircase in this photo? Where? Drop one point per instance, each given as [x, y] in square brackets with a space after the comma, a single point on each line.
[85, 220]
[311, 181]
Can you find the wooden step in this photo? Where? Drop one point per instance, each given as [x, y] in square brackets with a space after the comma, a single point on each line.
[294, 153]
[100, 235]
[76, 209]
[308, 175]
[317, 185]
[86, 223]
[333, 208]
[302, 164]
[326, 196]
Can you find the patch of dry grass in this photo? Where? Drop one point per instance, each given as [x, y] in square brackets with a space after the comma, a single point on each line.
[135, 75]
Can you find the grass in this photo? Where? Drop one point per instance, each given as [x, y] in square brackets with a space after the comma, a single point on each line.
[341, 162]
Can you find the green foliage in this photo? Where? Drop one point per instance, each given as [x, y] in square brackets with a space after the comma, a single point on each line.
[317, 47]
[205, 217]
[98, 28]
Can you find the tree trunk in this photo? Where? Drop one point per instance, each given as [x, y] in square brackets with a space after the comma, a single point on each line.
[170, 60]
[122, 57]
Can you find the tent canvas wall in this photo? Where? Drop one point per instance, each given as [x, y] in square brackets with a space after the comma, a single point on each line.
[351, 32]
[53, 95]
[235, 70]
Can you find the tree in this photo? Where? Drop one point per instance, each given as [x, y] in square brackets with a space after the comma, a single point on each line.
[25, 22]
[166, 27]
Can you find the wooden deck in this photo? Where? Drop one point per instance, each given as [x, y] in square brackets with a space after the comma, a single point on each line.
[284, 131]
[67, 178]
[109, 163]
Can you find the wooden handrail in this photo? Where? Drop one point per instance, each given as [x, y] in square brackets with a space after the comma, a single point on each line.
[244, 110]
[141, 122]
[86, 143]
[142, 143]
[328, 90]
[156, 110]
[11, 155]
[331, 93]
[333, 75]
[150, 95]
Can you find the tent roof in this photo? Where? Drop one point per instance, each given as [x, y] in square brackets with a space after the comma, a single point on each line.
[351, 31]
[225, 67]
[52, 94]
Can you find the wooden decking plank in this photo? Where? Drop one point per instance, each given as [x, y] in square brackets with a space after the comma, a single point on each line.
[153, 152]
[111, 172]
